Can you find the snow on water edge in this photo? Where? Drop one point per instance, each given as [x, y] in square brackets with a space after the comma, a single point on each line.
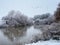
[50, 42]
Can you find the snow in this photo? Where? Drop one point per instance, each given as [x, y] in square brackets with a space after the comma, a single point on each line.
[50, 42]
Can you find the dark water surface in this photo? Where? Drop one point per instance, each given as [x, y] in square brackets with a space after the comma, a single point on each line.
[16, 36]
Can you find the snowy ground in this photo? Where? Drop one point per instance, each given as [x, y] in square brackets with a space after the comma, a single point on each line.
[50, 42]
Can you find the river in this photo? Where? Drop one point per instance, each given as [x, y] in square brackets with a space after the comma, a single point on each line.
[12, 36]
[19, 36]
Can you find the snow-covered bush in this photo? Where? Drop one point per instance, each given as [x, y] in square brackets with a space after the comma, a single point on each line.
[43, 16]
[47, 20]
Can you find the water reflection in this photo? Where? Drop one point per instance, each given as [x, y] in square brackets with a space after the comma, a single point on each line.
[15, 36]
[14, 33]
[4, 40]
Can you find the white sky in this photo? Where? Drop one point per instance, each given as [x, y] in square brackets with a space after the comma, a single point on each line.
[28, 7]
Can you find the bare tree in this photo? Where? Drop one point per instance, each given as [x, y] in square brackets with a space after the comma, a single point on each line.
[57, 13]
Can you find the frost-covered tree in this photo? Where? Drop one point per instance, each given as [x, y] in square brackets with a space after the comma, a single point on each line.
[17, 19]
[9, 16]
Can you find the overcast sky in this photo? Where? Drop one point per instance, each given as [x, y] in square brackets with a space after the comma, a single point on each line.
[28, 7]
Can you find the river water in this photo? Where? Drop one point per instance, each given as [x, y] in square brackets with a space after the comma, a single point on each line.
[15, 36]
[19, 36]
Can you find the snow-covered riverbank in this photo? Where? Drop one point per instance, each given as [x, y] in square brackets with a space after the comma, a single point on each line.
[50, 42]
